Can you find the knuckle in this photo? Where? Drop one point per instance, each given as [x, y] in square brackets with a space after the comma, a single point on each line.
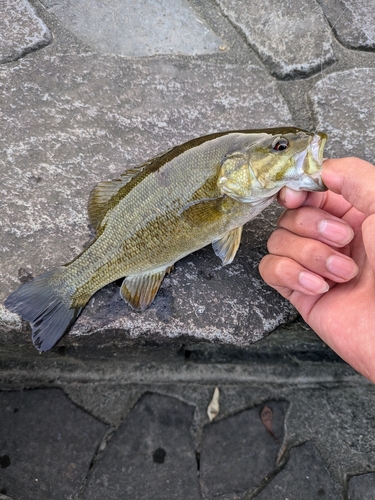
[280, 267]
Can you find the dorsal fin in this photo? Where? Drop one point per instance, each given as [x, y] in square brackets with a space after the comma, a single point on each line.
[101, 196]
[102, 193]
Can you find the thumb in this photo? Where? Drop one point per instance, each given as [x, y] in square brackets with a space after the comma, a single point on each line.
[354, 179]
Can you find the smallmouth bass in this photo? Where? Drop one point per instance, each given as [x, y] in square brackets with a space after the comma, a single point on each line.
[198, 193]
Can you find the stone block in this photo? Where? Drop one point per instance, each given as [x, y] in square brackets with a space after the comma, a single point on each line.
[150, 456]
[71, 121]
[353, 22]
[21, 30]
[343, 106]
[49, 444]
[292, 39]
[304, 476]
[238, 452]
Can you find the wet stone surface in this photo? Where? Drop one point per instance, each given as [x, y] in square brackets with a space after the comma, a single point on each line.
[274, 29]
[156, 407]
[150, 456]
[249, 442]
[304, 476]
[47, 444]
[21, 30]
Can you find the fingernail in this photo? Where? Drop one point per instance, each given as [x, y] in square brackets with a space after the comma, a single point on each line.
[335, 231]
[312, 282]
[342, 266]
[290, 197]
[282, 194]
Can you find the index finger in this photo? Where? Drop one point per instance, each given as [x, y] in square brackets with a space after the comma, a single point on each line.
[328, 201]
[354, 180]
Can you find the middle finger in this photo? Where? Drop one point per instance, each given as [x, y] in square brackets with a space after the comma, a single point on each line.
[313, 255]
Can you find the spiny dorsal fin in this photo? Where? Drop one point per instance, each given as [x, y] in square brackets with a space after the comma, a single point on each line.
[103, 192]
[140, 290]
[226, 248]
[101, 195]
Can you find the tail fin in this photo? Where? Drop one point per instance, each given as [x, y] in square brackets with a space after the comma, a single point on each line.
[44, 304]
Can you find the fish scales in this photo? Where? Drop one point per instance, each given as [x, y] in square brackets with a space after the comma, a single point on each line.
[197, 193]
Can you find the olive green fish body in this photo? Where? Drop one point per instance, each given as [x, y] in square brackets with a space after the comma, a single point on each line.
[163, 218]
[198, 193]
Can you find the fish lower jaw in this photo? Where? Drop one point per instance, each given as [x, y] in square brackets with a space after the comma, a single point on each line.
[308, 183]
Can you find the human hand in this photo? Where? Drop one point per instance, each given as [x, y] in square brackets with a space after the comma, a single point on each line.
[322, 259]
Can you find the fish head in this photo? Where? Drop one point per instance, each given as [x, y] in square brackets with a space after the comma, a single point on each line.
[267, 161]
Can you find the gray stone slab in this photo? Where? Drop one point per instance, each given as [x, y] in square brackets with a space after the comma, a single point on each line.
[353, 21]
[362, 487]
[49, 443]
[238, 452]
[71, 121]
[290, 37]
[137, 28]
[108, 402]
[347, 415]
[343, 106]
[304, 476]
[151, 455]
[21, 30]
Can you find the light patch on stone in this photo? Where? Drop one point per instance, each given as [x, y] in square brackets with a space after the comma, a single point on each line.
[144, 328]
[9, 320]
[137, 29]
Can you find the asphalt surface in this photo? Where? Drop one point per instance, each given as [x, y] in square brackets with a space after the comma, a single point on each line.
[118, 410]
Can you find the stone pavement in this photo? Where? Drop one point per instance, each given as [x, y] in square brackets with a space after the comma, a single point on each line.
[119, 409]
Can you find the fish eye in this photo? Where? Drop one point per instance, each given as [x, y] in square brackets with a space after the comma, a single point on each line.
[280, 144]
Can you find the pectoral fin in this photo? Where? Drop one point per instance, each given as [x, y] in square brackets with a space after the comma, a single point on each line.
[226, 248]
[139, 290]
[203, 211]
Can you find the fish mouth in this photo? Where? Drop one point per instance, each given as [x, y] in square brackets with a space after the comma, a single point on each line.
[314, 159]
[317, 146]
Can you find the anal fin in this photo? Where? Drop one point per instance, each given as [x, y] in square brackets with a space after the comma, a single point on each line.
[226, 248]
[140, 290]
